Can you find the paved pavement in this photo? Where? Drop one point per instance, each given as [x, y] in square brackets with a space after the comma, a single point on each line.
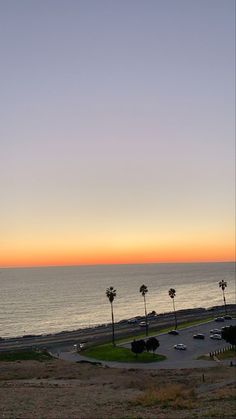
[175, 358]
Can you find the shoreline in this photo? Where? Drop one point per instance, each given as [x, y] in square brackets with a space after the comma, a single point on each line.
[180, 312]
[102, 333]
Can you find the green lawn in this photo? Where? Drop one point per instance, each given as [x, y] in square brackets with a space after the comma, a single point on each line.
[25, 356]
[108, 352]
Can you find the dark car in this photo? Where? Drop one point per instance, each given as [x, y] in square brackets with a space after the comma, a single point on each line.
[132, 321]
[173, 332]
[227, 317]
[199, 336]
[219, 319]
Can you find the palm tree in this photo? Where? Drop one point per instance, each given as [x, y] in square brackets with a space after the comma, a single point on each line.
[223, 285]
[111, 294]
[143, 289]
[172, 294]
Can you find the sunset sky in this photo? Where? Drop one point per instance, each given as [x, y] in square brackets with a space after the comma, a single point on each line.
[117, 131]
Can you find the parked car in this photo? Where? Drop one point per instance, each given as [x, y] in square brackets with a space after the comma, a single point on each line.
[216, 337]
[143, 324]
[173, 332]
[199, 336]
[219, 319]
[180, 347]
[132, 321]
[227, 317]
[215, 331]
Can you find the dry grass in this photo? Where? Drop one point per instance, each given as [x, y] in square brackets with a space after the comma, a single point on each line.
[226, 393]
[176, 396]
[57, 390]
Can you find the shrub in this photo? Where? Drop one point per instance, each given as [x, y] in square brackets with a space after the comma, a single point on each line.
[138, 346]
[152, 344]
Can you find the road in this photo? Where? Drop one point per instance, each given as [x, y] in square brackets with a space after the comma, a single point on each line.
[175, 358]
[102, 333]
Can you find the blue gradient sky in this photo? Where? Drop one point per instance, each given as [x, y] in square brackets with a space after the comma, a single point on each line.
[117, 131]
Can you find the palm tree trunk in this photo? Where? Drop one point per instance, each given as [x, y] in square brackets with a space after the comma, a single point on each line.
[175, 314]
[113, 328]
[145, 308]
[224, 302]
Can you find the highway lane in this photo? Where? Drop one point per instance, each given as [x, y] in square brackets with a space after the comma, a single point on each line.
[99, 334]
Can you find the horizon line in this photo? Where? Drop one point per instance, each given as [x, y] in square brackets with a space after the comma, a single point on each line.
[114, 264]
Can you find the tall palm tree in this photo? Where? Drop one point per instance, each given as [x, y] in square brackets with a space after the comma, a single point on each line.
[172, 294]
[223, 285]
[111, 294]
[143, 289]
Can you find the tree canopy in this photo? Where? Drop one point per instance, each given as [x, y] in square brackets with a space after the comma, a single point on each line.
[172, 292]
[111, 293]
[229, 335]
[143, 289]
[152, 344]
[138, 346]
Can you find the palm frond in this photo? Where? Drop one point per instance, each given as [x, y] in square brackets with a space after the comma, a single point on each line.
[111, 293]
[172, 293]
[143, 289]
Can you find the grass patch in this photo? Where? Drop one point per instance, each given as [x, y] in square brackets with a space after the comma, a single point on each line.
[175, 396]
[108, 352]
[221, 356]
[25, 356]
[227, 354]
[205, 358]
[194, 322]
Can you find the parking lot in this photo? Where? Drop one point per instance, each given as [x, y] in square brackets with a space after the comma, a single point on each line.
[194, 347]
[175, 358]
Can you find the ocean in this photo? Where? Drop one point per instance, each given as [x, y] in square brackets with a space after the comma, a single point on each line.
[53, 299]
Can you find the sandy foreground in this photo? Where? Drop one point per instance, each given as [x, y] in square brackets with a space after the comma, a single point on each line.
[60, 389]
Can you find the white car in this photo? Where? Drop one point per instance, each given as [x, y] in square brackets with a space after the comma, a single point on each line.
[216, 336]
[180, 347]
[215, 331]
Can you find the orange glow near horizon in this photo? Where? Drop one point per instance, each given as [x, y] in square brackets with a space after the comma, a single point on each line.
[103, 256]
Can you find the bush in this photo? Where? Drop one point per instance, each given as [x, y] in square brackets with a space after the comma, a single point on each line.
[152, 344]
[138, 346]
